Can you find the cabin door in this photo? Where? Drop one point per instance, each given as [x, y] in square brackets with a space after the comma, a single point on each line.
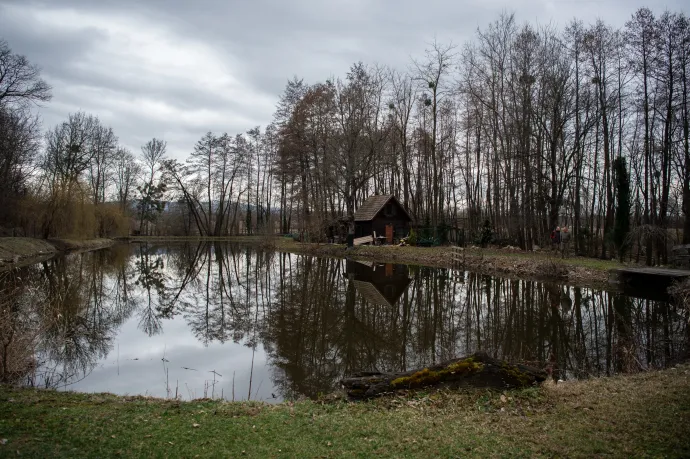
[389, 234]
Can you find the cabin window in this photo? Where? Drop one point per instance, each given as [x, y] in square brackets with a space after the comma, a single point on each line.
[389, 210]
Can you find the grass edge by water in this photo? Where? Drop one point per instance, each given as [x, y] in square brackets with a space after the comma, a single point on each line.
[645, 414]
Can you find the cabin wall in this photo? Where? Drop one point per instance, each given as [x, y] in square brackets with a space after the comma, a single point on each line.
[362, 229]
[400, 226]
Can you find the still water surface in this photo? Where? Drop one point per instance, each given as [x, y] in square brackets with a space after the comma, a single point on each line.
[217, 320]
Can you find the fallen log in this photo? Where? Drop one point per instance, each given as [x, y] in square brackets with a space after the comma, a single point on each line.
[478, 370]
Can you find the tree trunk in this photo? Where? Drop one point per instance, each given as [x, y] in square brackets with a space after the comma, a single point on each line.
[478, 370]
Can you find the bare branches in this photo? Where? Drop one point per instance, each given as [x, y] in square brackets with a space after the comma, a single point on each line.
[152, 154]
[126, 174]
[20, 81]
[520, 127]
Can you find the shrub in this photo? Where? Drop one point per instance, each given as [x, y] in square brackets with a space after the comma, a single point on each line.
[412, 238]
[112, 222]
[486, 234]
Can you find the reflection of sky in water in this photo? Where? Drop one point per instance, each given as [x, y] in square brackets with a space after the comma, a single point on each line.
[315, 320]
[146, 376]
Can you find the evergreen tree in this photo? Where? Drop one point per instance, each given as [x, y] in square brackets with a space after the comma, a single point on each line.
[622, 220]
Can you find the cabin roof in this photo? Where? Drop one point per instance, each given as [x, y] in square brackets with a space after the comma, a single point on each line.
[373, 205]
[371, 293]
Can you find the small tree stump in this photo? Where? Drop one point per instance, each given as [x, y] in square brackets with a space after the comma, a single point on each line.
[478, 370]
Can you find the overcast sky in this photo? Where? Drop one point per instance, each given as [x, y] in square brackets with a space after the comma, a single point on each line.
[175, 69]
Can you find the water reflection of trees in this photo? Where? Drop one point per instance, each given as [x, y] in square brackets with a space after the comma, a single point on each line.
[319, 318]
[87, 296]
[76, 303]
[220, 292]
[321, 327]
[149, 274]
[579, 330]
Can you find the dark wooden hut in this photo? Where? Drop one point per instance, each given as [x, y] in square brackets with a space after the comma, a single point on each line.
[384, 215]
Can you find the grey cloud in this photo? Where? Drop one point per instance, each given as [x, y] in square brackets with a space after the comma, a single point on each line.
[264, 43]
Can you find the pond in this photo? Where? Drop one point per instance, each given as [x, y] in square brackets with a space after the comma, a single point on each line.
[218, 320]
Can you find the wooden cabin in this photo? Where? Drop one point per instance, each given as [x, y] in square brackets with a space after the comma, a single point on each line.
[384, 215]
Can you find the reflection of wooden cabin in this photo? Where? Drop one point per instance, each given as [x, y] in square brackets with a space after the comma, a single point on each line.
[381, 284]
[379, 212]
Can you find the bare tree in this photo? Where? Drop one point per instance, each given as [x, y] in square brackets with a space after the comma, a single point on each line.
[600, 43]
[19, 148]
[127, 172]
[433, 73]
[210, 182]
[352, 159]
[403, 94]
[20, 81]
[683, 158]
[20, 86]
[103, 145]
[153, 155]
[68, 152]
[67, 157]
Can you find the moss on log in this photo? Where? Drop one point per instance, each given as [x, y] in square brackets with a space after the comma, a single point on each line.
[478, 370]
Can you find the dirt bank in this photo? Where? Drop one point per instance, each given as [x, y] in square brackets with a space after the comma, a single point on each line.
[509, 262]
[21, 251]
[542, 266]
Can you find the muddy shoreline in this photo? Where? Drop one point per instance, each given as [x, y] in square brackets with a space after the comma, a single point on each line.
[22, 251]
[540, 266]
[522, 265]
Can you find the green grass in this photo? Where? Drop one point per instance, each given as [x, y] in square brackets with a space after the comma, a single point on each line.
[642, 415]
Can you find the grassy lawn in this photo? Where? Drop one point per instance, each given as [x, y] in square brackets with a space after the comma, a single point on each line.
[642, 415]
